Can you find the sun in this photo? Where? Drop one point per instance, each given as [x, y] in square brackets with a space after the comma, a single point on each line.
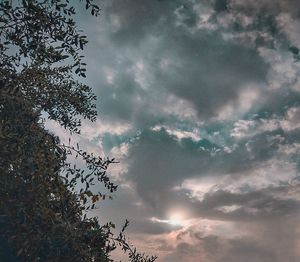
[176, 219]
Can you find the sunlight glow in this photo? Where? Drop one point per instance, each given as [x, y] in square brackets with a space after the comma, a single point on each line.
[176, 220]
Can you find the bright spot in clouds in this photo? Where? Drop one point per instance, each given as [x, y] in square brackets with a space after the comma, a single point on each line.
[204, 120]
[176, 219]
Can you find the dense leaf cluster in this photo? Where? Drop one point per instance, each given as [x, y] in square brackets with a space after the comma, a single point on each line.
[43, 197]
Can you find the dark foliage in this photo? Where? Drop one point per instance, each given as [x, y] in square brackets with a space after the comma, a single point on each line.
[43, 198]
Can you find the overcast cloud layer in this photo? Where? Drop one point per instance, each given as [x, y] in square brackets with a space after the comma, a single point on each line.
[199, 101]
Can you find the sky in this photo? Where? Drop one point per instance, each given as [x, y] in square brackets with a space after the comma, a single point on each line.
[199, 103]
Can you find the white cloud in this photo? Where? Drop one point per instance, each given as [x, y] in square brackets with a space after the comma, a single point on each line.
[236, 108]
[284, 72]
[228, 209]
[290, 27]
[181, 108]
[198, 187]
[91, 130]
[179, 133]
[249, 128]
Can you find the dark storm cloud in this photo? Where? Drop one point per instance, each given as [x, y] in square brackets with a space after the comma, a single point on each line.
[257, 205]
[159, 162]
[139, 19]
[120, 99]
[201, 66]
[211, 72]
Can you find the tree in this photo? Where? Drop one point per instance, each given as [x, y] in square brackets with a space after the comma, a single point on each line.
[42, 211]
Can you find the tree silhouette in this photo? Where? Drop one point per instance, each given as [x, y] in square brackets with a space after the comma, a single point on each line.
[43, 197]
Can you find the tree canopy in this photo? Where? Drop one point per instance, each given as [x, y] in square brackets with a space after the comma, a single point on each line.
[43, 197]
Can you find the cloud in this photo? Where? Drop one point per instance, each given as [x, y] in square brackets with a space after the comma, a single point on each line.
[157, 52]
[262, 242]
[199, 101]
[159, 161]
